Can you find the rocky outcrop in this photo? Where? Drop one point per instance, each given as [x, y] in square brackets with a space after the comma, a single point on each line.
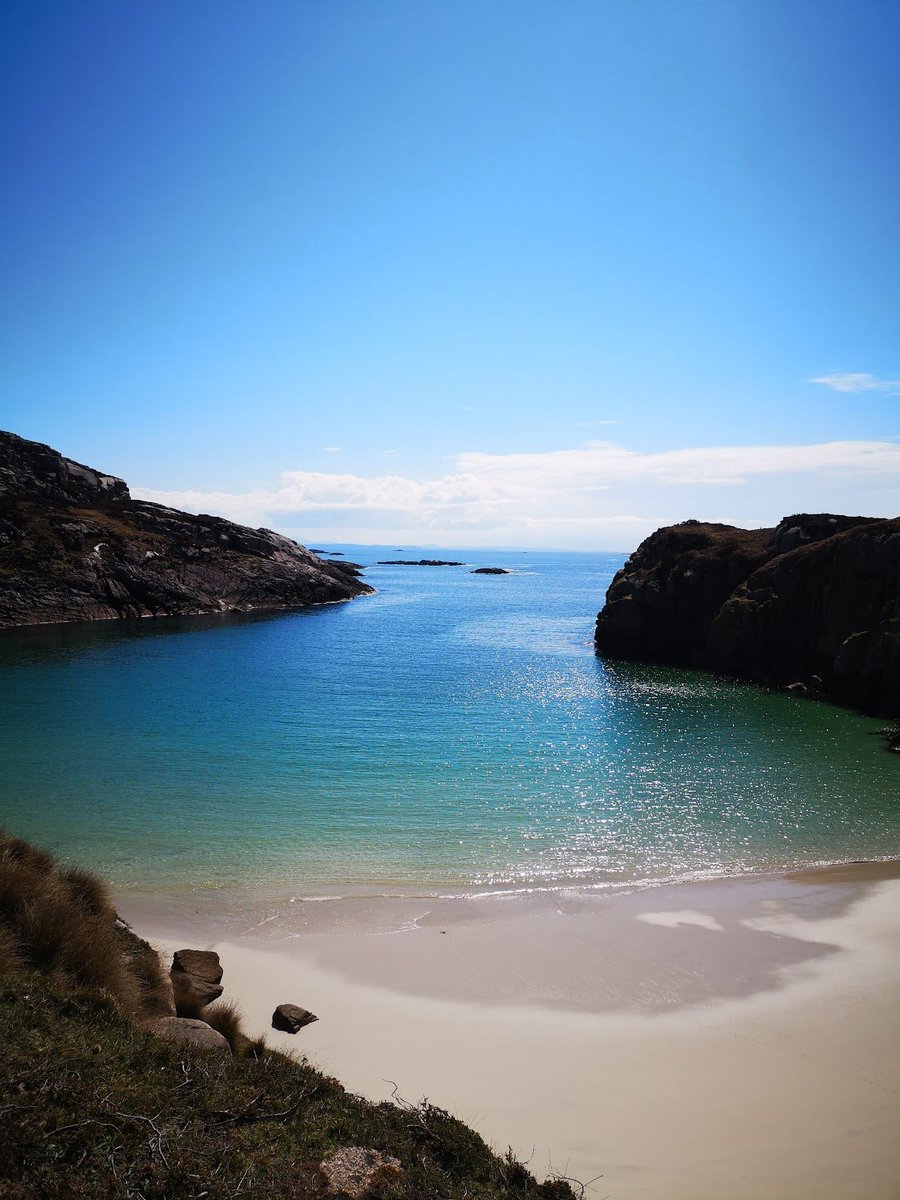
[34, 470]
[491, 571]
[196, 978]
[356, 1172]
[418, 562]
[291, 1018]
[74, 546]
[814, 601]
[194, 1033]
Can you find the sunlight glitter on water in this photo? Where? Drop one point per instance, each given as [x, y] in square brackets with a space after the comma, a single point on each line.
[451, 731]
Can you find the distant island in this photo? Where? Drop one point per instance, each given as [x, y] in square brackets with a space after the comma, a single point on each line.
[813, 605]
[75, 546]
[418, 562]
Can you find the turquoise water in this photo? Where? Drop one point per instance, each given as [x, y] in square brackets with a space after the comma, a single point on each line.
[453, 731]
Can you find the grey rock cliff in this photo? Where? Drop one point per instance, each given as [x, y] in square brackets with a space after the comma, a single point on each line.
[74, 546]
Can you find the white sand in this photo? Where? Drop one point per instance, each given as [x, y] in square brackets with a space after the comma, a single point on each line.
[791, 1091]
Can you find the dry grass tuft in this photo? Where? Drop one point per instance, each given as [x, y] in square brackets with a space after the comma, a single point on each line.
[257, 1048]
[62, 922]
[154, 985]
[9, 950]
[89, 893]
[17, 850]
[226, 1018]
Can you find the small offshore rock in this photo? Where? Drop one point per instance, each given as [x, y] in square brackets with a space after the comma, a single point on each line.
[418, 562]
[185, 1029]
[355, 1171]
[196, 977]
[491, 571]
[290, 1018]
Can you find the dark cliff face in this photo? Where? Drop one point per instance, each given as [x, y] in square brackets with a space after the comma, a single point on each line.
[74, 546]
[659, 607]
[816, 601]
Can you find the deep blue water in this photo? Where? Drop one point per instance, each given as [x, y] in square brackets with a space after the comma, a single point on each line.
[453, 730]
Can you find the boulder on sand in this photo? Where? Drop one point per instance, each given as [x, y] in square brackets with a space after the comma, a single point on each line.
[290, 1018]
[196, 977]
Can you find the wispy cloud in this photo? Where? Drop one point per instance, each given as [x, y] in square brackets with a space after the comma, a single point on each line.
[591, 424]
[332, 449]
[857, 381]
[598, 491]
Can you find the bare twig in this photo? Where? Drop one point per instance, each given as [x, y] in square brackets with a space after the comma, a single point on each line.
[17, 1107]
[79, 1124]
[160, 1138]
[245, 1117]
[562, 1177]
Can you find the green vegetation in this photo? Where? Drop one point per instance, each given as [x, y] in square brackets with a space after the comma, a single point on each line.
[92, 1105]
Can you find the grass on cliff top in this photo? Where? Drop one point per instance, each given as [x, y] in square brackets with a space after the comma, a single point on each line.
[91, 1105]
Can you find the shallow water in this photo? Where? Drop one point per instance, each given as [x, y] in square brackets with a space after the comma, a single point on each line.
[452, 731]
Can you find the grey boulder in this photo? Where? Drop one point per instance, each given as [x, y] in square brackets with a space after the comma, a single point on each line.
[195, 1033]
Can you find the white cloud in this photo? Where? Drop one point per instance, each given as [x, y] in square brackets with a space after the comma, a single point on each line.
[603, 464]
[861, 381]
[601, 494]
[332, 449]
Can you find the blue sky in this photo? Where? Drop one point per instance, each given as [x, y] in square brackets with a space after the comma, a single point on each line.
[458, 273]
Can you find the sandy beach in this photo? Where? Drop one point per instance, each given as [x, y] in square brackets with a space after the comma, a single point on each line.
[733, 1038]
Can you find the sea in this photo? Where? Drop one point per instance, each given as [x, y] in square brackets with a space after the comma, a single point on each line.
[452, 733]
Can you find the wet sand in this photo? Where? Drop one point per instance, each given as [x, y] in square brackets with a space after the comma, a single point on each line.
[702, 1041]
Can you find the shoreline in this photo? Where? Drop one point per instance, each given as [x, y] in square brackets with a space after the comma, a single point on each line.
[280, 911]
[728, 1038]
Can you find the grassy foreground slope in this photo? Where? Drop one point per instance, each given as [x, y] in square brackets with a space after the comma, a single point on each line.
[92, 1105]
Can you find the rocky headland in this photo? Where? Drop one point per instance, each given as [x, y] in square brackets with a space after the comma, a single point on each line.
[75, 546]
[813, 604]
